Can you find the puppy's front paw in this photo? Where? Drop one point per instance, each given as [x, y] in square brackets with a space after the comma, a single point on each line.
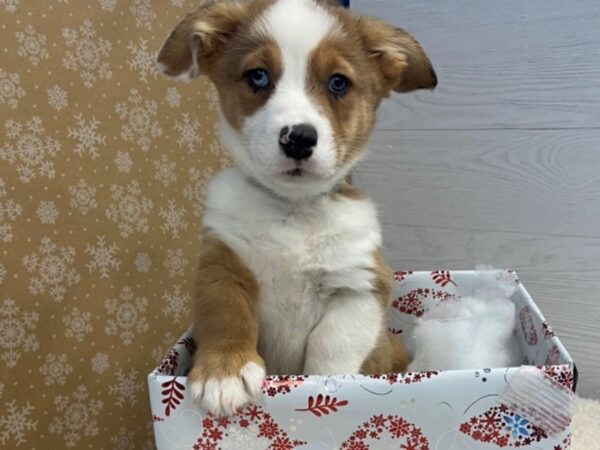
[221, 389]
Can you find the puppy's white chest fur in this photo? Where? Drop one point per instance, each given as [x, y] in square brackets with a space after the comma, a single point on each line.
[302, 254]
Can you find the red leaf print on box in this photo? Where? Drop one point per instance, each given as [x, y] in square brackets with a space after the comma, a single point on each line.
[502, 427]
[172, 395]
[169, 364]
[252, 427]
[282, 384]
[408, 378]
[442, 277]
[323, 405]
[189, 343]
[401, 276]
[528, 327]
[378, 429]
[412, 302]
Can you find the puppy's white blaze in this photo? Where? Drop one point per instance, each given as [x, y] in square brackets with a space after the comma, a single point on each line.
[290, 104]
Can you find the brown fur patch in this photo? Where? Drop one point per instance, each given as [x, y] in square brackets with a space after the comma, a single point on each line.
[347, 190]
[245, 52]
[351, 115]
[389, 355]
[206, 33]
[226, 328]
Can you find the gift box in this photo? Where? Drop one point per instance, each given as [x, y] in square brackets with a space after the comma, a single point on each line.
[442, 410]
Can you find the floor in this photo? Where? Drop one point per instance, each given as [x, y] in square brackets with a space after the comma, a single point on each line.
[501, 163]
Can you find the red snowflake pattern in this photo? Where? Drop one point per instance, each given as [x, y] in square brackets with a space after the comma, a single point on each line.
[412, 302]
[502, 427]
[401, 276]
[282, 384]
[408, 378]
[548, 331]
[396, 427]
[216, 429]
[528, 327]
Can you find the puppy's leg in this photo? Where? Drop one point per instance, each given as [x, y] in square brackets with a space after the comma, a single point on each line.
[346, 335]
[227, 372]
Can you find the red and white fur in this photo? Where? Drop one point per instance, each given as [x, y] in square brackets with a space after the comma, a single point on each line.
[291, 277]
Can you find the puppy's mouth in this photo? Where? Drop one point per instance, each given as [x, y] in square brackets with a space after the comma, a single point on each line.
[297, 172]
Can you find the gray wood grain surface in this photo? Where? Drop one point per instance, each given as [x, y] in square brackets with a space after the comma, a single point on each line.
[501, 164]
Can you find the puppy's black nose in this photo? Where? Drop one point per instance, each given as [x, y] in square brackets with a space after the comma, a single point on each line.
[298, 143]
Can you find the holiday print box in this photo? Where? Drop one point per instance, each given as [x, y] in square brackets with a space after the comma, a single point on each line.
[418, 411]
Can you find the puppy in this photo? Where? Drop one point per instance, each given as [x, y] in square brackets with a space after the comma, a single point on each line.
[291, 279]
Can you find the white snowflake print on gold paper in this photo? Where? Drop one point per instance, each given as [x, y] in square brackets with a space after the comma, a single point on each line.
[173, 219]
[15, 422]
[57, 98]
[123, 440]
[87, 53]
[189, 133]
[78, 324]
[100, 363]
[52, 269]
[10, 89]
[87, 136]
[76, 416]
[107, 5]
[142, 60]
[103, 257]
[83, 197]
[32, 45]
[173, 97]
[47, 212]
[142, 262]
[159, 352]
[175, 262]
[177, 303]
[55, 369]
[165, 171]
[129, 208]
[126, 388]
[127, 315]
[143, 13]
[212, 97]
[3, 273]
[9, 212]
[10, 5]
[123, 162]
[194, 191]
[30, 149]
[139, 120]
[17, 332]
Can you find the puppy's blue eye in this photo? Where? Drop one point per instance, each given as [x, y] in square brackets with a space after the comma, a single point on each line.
[258, 79]
[338, 85]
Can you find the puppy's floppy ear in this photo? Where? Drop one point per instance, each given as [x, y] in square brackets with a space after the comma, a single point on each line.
[398, 57]
[197, 41]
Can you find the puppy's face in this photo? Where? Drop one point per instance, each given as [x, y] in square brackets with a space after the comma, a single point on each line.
[299, 82]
